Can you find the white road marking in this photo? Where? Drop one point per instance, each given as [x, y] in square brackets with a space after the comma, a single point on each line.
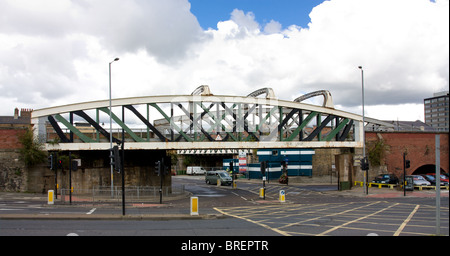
[91, 211]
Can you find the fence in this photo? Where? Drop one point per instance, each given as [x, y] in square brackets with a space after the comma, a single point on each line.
[133, 194]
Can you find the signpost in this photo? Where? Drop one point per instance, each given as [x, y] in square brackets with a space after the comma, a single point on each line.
[438, 184]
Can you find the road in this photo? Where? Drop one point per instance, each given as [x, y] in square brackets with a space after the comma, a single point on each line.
[308, 211]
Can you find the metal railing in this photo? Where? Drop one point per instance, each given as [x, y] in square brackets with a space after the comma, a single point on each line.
[133, 194]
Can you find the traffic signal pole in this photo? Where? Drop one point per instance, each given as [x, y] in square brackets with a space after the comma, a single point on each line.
[404, 174]
[122, 162]
[406, 165]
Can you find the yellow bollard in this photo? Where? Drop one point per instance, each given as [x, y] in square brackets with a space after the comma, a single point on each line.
[194, 205]
[50, 197]
[282, 197]
[261, 193]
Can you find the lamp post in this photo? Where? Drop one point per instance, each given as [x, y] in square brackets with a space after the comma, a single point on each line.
[110, 131]
[363, 132]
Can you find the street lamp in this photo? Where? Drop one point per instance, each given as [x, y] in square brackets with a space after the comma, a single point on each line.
[363, 132]
[110, 131]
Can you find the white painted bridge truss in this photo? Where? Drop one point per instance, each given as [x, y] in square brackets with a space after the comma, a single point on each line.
[199, 121]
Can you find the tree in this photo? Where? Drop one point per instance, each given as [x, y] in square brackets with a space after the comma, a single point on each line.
[31, 151]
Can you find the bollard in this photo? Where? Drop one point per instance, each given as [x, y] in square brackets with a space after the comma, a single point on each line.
[219, 183]
[50, 197]
[234, 184]
[194, 205]
[282, 197]
[261, 193]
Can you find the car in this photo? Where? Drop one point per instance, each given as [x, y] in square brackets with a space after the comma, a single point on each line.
[420, 181]
[386, 179]
[211, 177]
[444, 178]
[430, 178]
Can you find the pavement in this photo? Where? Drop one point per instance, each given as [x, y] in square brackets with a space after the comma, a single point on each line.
[170, 211]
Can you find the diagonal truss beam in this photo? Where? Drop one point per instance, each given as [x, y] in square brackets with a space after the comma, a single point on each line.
[146, 122]
[91, 121]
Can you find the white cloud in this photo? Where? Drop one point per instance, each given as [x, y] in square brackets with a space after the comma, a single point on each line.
[61, 54]
[272, 27]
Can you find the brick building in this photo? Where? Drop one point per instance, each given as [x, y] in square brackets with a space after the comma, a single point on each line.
[13, 172]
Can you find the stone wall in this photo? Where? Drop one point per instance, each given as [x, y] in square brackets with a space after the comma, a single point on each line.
[94, 172]
[13, 173]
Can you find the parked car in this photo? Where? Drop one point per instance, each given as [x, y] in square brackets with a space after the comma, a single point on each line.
[444, 179]
[420, 181]
[386, 179]
[211, 177]
[430, 178]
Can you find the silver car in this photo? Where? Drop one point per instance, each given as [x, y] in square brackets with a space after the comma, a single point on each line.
[211, 177]
[420, 181]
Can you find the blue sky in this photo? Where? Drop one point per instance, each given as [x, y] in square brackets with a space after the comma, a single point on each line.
[286, 12]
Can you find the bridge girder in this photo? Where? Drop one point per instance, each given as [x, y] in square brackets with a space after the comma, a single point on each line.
[197, 121]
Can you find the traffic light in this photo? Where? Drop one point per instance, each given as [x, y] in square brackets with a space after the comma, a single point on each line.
[166, 163]
[364, 164]
[231, 166]
[74, 165]
[59, 164]
[407, 164]
[263, 168]
[50, 162]
[115, 158]
[158, 168]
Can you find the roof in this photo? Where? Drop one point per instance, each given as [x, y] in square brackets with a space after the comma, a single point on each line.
[11, 120]
[391, 125]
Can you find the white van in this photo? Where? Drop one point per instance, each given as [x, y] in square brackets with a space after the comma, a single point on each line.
[193, 170]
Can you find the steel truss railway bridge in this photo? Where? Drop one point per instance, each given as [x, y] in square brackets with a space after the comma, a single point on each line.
[200, 120]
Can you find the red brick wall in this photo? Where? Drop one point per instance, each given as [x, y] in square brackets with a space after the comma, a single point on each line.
[9, 138]
[420, 148]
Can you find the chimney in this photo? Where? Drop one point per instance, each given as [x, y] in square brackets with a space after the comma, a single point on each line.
[24, 112]
[16, 113]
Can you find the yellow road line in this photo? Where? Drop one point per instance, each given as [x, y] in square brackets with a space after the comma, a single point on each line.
[350, 222]
[329, 215]
[400, 229]
[255, 222]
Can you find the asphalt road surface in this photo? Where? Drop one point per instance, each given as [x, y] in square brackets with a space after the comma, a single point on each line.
[309, 210]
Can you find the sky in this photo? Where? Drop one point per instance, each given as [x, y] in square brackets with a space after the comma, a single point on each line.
[57, 52]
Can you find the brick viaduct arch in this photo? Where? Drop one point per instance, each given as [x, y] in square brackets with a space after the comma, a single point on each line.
[420, 149]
